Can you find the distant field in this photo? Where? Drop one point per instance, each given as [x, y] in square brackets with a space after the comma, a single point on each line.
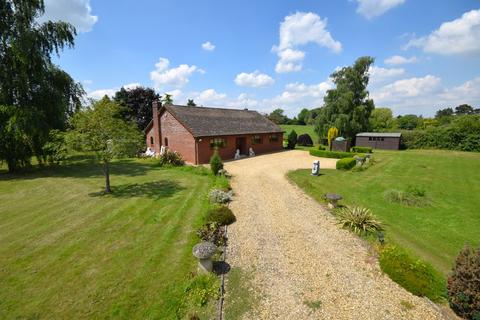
[301, 130]
[435, 232]
[67, 252]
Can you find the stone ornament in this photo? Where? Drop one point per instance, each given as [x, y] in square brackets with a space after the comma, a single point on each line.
[237, 154]
[204, 251]
[316, 168]
[333, 199]
[251, 153]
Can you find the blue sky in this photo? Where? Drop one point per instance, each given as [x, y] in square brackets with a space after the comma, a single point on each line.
[268, 54]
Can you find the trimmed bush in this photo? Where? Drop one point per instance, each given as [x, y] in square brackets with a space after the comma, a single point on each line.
[221, 215]
[359, 220]
[418, 277]
[321, 148]
[216, 163]
[292, 140]
[464, 284]
[171, 158]
[305, 140]
[346, 163]
[332, 154]
[222, 183]
[361, 149]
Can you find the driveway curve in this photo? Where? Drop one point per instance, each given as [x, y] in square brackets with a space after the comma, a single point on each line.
[303, 265]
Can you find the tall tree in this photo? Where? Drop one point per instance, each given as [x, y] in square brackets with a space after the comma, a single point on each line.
[137, 104]
[303, 116]
[464, 109]
[102, 130]
[167, 99]
[447, 112]
[191, 103]
[381, 119]
[409, 122]
[348, 106]
[29, 81]
[278, 117]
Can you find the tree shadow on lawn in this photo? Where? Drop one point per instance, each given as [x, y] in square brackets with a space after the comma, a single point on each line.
[155, 190]
[88, 168]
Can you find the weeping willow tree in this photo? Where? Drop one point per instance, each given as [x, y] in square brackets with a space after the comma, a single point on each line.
[36, 95]
[348, 106]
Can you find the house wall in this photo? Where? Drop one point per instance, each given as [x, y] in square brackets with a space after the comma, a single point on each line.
[178, 137]
[205, 152]
[388, 143]
[150, 135]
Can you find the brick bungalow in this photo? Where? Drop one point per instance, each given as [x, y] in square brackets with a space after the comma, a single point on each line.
[194, 131]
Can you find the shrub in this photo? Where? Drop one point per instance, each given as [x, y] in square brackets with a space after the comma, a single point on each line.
[201, 289]
[414, 196]
[361, 149]
[346, 163]
[464, 284]
[221, 215]
[292, 140]
[216, 163]
[220, 197]
[416, 276]
[305, 140]
[321, 148]
[171, 158]
[213, 233]
[331, 154]
[360, 220]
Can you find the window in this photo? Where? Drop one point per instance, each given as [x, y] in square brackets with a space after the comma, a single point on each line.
[257, 139]
[218, 143]
[370, 138]
[381, 139]
[166, 142]
[151, 141]
[273, 137]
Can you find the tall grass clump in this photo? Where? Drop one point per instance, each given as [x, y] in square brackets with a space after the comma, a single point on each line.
[359, 220]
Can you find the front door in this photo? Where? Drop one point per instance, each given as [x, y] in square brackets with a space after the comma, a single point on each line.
[241, 144]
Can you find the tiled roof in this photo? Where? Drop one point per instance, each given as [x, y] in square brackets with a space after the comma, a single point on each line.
[203, 121]
[380, 134]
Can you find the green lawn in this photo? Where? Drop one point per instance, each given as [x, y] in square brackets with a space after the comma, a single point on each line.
[435, 232]
[69, 252]
[301, 130]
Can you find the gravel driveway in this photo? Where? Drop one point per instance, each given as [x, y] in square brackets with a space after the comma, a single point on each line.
[304, 266]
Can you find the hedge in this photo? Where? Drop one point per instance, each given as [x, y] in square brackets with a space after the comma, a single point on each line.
[361, 149]
[332, 154]
[418, 277]
[346, 163]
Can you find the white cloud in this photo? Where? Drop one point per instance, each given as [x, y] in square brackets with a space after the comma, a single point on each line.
[210, 97]
[374, 8]
[254, 79]
[290, 61]
[459, 36]
[424, 95]
[300, 29]
[398, 60]
[162, 76]
[76, 12]
[208, 46]
[99, 94]
[379, 74]
[297, 95]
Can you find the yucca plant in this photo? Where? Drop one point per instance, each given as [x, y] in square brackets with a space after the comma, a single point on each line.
[360, 220]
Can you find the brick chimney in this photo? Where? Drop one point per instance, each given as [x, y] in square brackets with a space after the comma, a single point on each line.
[157, 138]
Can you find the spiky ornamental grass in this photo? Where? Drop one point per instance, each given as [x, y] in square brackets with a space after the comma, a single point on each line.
[359, 220]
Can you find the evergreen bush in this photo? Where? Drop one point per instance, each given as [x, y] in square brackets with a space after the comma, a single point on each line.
[216, 163]
[464, 284]
[346, 163]
[305, 140]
